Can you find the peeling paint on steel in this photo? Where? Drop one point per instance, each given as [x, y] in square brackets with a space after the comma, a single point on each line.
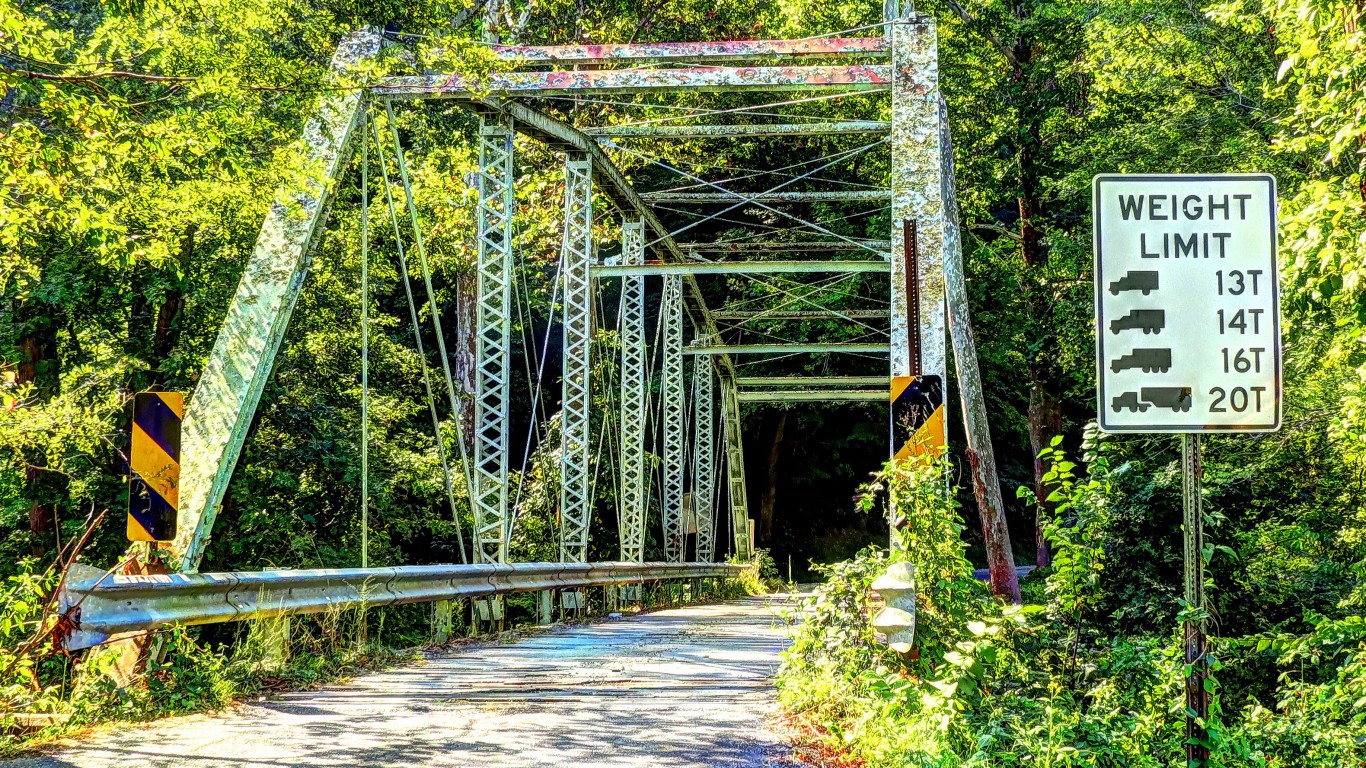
[708, 79]
[733, 130]
[917, 191]
[711, 51]
[871, 195]
[220, 412]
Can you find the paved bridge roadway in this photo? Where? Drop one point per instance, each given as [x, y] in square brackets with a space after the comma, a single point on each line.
[679, 688]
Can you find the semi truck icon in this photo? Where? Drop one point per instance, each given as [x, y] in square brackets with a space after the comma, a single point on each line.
[1136, 280]
[1129, 400]
[1148, 320]
[1150, 360]
[1175, 398]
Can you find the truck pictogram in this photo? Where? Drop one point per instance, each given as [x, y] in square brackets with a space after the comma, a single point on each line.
[1150, 360]
[1175, 398]
[1148, 320]
[1135, 280]
[1129, 400]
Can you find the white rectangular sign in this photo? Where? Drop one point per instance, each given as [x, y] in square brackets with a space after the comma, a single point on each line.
[1187, 303]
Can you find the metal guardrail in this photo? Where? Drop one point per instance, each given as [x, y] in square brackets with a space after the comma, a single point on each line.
[101, 606]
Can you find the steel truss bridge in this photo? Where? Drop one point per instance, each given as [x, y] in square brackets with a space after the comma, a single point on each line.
[919, 259]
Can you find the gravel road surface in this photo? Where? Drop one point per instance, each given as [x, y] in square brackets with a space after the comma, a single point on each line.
[680, 688]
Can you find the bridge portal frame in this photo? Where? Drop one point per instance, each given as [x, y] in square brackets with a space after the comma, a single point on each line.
[221, 409]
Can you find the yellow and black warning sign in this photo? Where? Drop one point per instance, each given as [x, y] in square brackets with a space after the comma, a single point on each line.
[918, 416]
[154, 458]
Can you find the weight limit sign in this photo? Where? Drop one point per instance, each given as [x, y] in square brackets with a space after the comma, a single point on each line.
[1187, 303]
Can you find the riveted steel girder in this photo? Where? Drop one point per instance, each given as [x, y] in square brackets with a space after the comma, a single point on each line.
[917, 183]
[708, 52]
[673, 420]
[736, 130]
[849, 196]
[493, 224]
[742, 268]
[700, 79]
[224, 402]
[704, 460]
[576, 385]
[761, 349]
[635, 385]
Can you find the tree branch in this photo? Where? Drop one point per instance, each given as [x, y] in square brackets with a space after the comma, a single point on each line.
[991, 37]
[96, 76]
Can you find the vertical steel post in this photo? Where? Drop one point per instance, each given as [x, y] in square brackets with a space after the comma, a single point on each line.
[704, 462]
[1197, 700]
[493, 222]
[917, 199]
[673, 421]
[735, 469]
[634, 391]
[576, 387]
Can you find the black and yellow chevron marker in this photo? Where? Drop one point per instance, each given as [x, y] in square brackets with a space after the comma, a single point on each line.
[154, 458]
[918, 416]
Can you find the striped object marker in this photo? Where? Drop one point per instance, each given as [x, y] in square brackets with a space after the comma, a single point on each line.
[154, 458]
[918, 416]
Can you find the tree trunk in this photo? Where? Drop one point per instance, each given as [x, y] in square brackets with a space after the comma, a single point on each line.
[38, 365]
[986, 486]
[770, 498]
[466, 357]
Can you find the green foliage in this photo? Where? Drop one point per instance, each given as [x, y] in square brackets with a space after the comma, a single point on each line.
[995, 685]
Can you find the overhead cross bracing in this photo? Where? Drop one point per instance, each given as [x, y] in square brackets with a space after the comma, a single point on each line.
[863, 193]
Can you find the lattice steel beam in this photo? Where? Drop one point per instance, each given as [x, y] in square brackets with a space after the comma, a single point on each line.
[493, 223]
[813, 381]
[224, 402]
[760, 349]
[766, 247]
[709, 52]
[673, 421]
[747, 315]
[699, 79]
[735, 469]
[735, 130]
[704, 461]
[850, 196]
[815, 396]
[743, 268]
[634, 394]
[575, 470]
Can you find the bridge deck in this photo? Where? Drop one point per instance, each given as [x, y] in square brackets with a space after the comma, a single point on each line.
[679, 688]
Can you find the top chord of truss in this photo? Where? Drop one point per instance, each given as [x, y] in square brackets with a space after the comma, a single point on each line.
[709, 52]
[697, 79]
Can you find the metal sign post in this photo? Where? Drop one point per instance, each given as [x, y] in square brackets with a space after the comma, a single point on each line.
[1188, 341]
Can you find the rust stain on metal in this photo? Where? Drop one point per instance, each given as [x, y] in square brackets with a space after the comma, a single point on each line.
[857, 77]
[723, 50]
